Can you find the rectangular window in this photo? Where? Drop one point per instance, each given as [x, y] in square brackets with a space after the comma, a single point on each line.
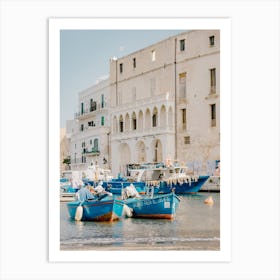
[153, 55]
[182, 45]
[213, 114]
[182, 85]
[212, 41]
[154, 119]
[184, 118]
[82, 127]
[121, 126]
[187, 140]
[102, 101]
[213, 81]
[102, 120]
[121, 67]
[82, 108]
[134, 124]
[134, 62]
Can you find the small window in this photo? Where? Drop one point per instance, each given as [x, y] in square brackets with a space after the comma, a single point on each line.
[184, 118]
[182, 45]
[95, 144]
[154, 119]
[134, 124]
[82, 127]
[153, 55]
[134, 62]
[213, 114]
[121, 67]
[212, 81]
[212, 41]
[187, 140]
[102, 120]
[102, 101]
[90, 141]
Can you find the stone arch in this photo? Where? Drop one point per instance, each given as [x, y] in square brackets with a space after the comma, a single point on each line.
[126, 122]
[157, 150]
[170, 117]
[124, 157]
[148, 120]
[163, 116]
[141, 152]
[140, 121]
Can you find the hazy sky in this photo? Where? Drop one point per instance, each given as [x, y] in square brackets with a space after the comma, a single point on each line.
[85, 56]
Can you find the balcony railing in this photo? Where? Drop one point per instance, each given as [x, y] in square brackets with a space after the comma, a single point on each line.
[93, 151]
[88, 112]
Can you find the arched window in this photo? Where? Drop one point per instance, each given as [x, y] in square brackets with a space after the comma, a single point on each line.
[163, 116]
[126, 122]
[95, 145]
[121, 123]
[134, 121]
[148, 119]
[154, 117]
[140, 121]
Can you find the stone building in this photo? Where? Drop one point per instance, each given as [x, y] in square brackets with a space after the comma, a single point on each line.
[90, 130]
[165, 101]
[161, 102]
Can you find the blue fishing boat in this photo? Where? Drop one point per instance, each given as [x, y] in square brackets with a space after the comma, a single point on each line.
[188, 185]
[116, 185]
[89, 207]
[166, 179]
[156, 207]
[109, 209]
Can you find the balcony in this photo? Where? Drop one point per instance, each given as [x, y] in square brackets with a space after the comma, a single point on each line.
[91, 112]
[93, 152]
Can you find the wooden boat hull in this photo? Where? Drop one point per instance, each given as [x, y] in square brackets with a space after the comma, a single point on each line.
[99, 211]
[158, 207]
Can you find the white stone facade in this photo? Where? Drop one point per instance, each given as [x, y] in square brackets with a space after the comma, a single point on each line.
[162, 102]
[165, 101]
[91, 128]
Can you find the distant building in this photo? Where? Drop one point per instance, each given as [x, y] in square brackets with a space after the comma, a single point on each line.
[64, 150]
[161, 102]
[90, 130]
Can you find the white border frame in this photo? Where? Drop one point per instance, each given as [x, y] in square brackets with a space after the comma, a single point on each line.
[55, 25]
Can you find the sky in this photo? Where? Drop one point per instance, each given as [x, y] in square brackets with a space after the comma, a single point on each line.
[85, 56]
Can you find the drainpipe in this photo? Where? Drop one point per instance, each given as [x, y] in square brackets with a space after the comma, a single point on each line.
[175, 90]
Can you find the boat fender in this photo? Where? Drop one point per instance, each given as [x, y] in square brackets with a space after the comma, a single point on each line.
[79, 213]
[127, 211]
[209, 200]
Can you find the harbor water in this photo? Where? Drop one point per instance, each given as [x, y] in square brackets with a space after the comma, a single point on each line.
[195, 227]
